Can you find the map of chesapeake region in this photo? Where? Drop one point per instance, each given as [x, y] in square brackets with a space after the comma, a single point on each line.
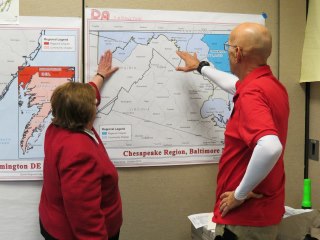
[151, 114]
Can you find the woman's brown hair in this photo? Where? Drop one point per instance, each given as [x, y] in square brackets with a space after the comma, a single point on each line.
[73, 105]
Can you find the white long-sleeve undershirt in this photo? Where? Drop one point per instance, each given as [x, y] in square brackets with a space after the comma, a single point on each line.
[265, 155]
[226, 81]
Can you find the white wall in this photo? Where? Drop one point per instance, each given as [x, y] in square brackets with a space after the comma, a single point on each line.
[19, 210]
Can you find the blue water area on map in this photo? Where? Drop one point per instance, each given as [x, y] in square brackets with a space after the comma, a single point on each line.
[218, 108]
[9, 120]
[196, 45]
[123, 54]
[122, 43]
[216, 53]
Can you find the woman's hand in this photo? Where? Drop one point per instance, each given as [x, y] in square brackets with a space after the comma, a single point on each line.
[105, 69]
[105, 65]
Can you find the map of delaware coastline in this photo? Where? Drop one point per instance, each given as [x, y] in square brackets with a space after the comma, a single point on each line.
[37, 55]
[37, 84]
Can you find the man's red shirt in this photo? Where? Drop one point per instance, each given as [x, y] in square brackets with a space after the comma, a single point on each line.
[261, 108]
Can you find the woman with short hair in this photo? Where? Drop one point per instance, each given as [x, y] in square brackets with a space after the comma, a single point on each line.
[80, 196]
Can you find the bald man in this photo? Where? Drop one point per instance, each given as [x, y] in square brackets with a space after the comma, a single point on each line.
[250, 182]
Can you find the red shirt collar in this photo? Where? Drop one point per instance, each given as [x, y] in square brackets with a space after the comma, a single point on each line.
[256, 73]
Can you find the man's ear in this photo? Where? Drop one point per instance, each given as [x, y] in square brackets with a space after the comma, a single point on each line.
[237, 54]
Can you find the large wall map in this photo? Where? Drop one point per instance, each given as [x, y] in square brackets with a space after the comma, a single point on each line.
[150, 114]
[36, 56]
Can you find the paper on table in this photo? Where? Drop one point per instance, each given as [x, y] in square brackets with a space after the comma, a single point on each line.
[201, 219]
[205, 219]
[292, 211]
[211, 225]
